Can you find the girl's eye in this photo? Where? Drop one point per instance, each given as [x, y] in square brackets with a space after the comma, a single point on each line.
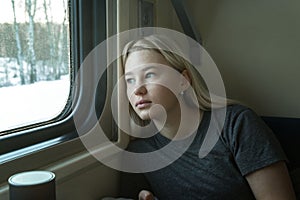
[130, 80]
[150, 75]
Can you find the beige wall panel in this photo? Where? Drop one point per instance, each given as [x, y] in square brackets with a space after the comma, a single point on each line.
[256, 45]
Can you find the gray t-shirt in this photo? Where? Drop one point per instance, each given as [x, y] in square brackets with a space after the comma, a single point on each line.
[246, 144]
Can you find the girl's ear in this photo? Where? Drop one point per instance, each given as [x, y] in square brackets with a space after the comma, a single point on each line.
[185, 81]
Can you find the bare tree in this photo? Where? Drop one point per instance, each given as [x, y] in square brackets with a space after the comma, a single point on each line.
[56, 38]
[62, 39]
[19, 45]
[31, 9]
[51, 36]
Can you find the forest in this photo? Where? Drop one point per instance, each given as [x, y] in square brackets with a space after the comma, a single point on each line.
[33, 51]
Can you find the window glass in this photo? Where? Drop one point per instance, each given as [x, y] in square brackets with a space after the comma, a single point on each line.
[34, 61]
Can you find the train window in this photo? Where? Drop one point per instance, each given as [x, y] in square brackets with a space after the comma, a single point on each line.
[42, 90]
[34, 61]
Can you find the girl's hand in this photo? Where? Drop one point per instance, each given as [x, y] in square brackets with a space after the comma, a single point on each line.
[146, 195]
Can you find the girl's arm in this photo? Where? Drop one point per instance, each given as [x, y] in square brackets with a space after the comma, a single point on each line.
[272, 183]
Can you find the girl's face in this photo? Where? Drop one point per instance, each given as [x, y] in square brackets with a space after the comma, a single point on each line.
[150, 80]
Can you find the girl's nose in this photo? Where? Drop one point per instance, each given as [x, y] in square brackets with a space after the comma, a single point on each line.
[141, 90]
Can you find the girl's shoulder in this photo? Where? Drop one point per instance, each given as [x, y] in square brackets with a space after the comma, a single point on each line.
[237, 109]
[239, 113]
[232, 114]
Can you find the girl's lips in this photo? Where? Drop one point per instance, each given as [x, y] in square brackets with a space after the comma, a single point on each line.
[143, 103]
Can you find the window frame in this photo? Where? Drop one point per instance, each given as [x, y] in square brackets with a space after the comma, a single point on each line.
[88, 27]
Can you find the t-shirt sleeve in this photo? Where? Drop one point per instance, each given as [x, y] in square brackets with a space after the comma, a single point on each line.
[251, 141]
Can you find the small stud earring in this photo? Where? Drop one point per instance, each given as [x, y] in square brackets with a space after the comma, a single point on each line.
[182, 93]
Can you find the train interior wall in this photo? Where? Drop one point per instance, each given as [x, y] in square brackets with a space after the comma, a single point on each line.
[255, 45]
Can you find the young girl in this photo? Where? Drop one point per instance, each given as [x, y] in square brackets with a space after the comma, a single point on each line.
[246, 161]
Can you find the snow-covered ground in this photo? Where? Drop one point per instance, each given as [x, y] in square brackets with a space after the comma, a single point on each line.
[27, 104]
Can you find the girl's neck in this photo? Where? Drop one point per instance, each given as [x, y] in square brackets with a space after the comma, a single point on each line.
[180, 123]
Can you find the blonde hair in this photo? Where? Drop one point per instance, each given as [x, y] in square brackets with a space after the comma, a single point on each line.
[166, 48]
